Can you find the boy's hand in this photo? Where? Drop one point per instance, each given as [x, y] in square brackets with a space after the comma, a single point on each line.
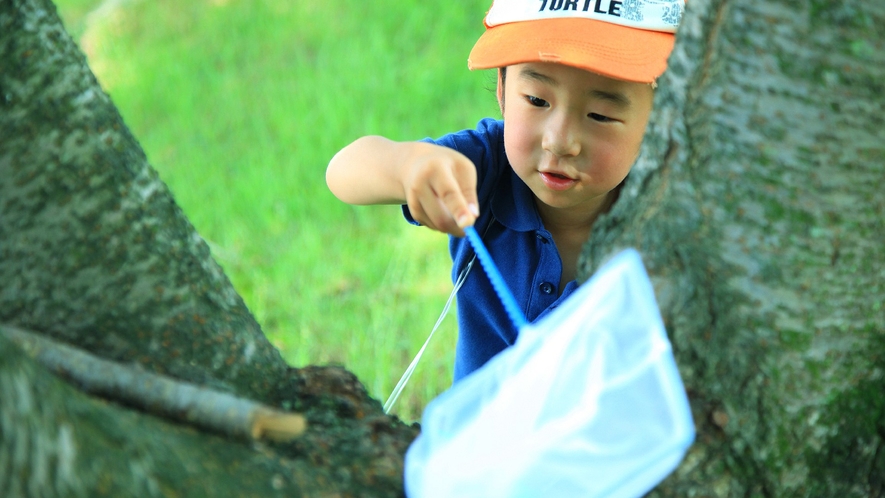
[440, 188]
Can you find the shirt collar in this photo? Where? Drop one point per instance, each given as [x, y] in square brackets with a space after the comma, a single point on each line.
[516, 211]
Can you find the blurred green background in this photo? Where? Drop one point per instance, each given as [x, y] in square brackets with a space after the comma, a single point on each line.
[239, 106]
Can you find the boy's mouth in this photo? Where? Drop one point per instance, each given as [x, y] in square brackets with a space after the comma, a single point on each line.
[556, 181]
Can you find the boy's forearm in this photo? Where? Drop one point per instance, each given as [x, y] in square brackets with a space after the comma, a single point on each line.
[369, 171]
[437, 183]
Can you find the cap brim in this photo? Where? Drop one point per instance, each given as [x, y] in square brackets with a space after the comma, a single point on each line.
[604, 48]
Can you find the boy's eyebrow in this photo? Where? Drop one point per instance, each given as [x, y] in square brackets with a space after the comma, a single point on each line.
[531, 74]
[617, 98]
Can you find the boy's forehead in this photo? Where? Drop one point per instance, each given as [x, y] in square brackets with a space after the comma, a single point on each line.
[600, 87]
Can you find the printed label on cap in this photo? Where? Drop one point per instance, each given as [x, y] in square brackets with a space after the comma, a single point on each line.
[653, 15]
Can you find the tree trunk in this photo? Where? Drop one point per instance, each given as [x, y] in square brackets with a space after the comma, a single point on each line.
[757, 206]
[95, 253]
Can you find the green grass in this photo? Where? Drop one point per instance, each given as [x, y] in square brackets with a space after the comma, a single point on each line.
[240, 105]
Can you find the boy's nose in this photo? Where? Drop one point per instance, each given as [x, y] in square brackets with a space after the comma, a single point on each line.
[561, 137]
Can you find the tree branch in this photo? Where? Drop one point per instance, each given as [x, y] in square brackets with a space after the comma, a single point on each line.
[180, 401]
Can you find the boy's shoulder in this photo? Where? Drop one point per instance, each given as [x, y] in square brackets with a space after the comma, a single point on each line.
[490, 130]
[486, 139]
[483, 145]
[491, 126]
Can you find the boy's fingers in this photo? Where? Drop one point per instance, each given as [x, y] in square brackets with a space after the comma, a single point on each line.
[428, 210]
[439, 217]
[468, 218]
[461, 200]
[472, 206]
[463, 212]
[426, 213]
[444, 186]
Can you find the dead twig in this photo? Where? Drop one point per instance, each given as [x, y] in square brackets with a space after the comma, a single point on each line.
[158, 394]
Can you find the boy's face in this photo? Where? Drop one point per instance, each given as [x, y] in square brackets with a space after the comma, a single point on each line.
[572, 135]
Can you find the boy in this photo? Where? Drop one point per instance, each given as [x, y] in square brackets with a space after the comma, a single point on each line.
[575, 88]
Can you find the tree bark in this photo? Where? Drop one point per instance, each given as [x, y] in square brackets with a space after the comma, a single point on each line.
[95, 253]
[757, 207]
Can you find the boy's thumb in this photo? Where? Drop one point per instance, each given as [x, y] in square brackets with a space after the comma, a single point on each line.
[467, 219]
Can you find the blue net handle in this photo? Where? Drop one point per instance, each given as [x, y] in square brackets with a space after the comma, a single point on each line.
[504, 294]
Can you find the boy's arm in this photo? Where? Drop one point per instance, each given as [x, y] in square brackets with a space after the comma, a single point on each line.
[437, 183]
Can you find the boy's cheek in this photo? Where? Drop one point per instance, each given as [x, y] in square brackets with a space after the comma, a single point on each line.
[616, 162]
[516, 137]
[522, 153]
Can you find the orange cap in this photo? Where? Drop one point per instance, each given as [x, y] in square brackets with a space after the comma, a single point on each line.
[622, 39]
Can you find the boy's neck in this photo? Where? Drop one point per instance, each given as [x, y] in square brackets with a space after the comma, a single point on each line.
[570, 229]
[574, 220]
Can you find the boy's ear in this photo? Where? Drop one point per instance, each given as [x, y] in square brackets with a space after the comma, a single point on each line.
[500, 91]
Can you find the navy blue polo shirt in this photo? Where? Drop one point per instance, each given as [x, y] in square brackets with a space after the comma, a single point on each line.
[521, 247]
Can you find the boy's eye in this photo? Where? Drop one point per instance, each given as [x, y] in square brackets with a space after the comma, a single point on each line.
[599, 117]
[535, 101]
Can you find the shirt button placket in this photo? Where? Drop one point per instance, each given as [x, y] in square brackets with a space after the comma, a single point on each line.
[547, 270]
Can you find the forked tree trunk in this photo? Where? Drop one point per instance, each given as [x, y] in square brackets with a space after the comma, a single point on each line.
[756, 206]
